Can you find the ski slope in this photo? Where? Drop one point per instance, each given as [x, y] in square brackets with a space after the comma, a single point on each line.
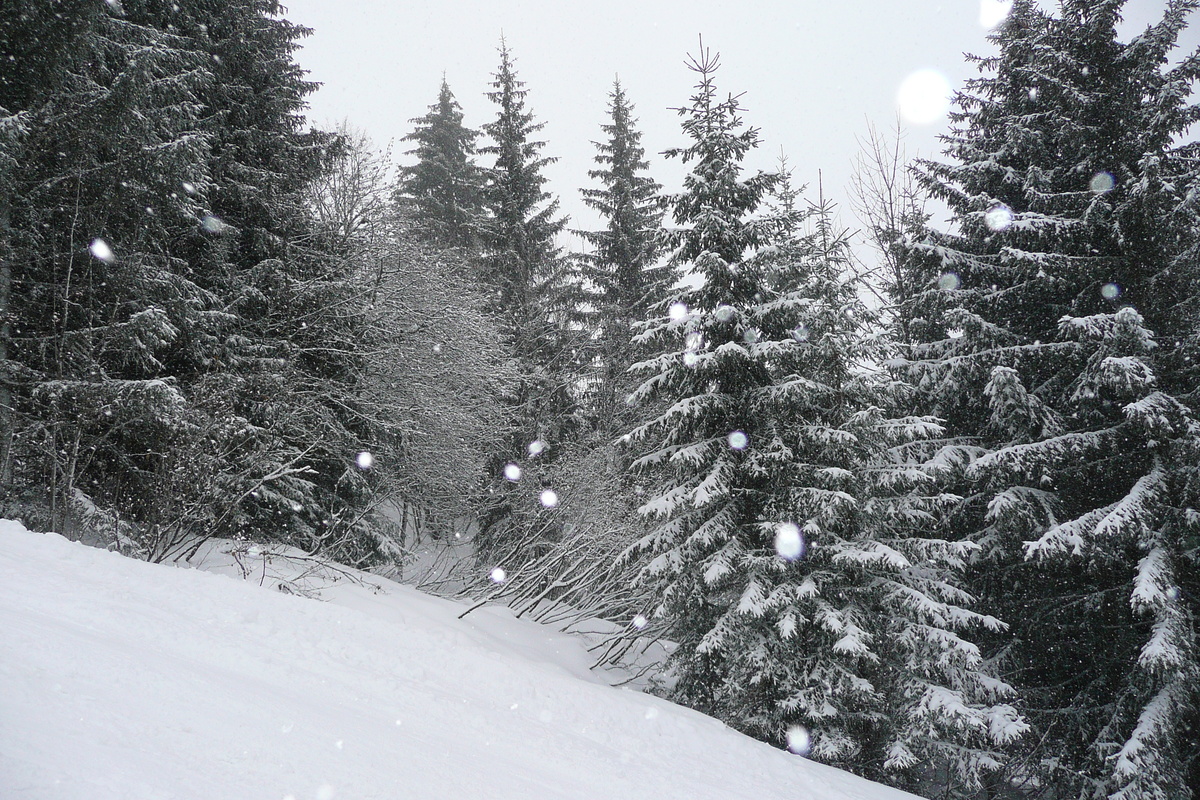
[122, 680]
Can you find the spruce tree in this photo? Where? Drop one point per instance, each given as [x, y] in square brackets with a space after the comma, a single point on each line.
[445, 184]
[110, 130]
[790, 557]
[533, 292]
[1058, 338]
[622, 271]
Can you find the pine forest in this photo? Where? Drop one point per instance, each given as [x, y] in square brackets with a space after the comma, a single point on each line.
[915, 498]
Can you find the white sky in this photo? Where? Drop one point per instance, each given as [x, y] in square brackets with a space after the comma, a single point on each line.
[813, 72]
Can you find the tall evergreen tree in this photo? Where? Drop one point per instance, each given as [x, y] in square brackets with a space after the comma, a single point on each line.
[445, 183]
[189, 356]
[98, 307]
[534, 292]
[790, 561]
[1057, 333]
[621, 269]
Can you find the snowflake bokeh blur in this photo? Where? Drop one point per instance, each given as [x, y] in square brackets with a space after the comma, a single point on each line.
[101, 250]
[924, 97]
[789, 542]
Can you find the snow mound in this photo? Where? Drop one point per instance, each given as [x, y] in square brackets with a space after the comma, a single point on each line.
[125, 680]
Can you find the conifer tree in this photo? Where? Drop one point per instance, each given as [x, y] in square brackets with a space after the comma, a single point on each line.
[789, 558]
[1058, 335]
[621, 270]
[445, 183]
[534, 292]
[110, 129]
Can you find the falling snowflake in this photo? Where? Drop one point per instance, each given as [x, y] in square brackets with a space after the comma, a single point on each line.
[212, 224]
[949, 281]
[364, 460]
[739, 440]
[640, 621]
[1110, 291]
[1102, 182]
[798, 740]
[548, 498]
[789, 543]
[100, 249]
[993, 12]
[512, 472]
[677, 311]
[497, 575]
[998, 217]
[924, 97]
[800, 333]
[536, 447]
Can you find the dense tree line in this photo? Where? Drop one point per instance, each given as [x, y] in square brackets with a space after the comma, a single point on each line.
[948, 540]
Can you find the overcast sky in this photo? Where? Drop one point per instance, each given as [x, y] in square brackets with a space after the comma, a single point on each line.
[813, 72]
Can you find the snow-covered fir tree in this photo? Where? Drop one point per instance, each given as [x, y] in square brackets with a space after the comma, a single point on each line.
[622, 270]
[1057, 335]
[445, 184]
[534, 293]
[794, 555]
[98, 315]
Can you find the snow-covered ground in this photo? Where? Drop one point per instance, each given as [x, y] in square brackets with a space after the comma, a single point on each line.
[121, 679]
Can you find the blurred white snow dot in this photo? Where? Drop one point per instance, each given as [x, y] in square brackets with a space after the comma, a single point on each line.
[750, 336]
[723, 313]
[949, 281]
[364, 460]
[498, 575]
[536, 447]
[789, 544]
[993, 12]
[639, 622]
[338, 744]
[190, 188]
[651, 712]
[924, 97]
[800, 334]
[100, 249]
[512, 472]
[548, 498]
[998, 217]
[798, 740]
[399, 722]
[212, 224]
[437, 348]
[738, 440]
[325, 792]
[1173, 593]
[1102, 182]
[677, 311]
[1110, 291]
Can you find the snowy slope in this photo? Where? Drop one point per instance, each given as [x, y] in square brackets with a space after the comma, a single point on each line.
[124, 680]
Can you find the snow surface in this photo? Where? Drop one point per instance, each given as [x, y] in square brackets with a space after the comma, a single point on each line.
[122, 679]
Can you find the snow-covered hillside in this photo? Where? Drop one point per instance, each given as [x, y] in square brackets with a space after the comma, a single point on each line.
[124, 680]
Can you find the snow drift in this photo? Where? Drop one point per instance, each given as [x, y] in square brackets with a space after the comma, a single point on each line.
[127, 680]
